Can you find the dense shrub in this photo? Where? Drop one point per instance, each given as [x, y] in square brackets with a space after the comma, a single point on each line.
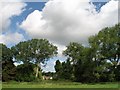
[25, 72]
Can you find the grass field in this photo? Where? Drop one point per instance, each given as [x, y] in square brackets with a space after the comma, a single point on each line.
[56, 84]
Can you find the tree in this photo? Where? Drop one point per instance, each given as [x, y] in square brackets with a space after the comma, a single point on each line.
[83, 63]
[26, 73]
[8, 68]
[79, 56]
[58, 69]
[108, 44]
[97, 57]
[64, 70]
[74, 51]
[67, 70]
[117, 73]
[106, 47]
[84, 67]
[36, 51]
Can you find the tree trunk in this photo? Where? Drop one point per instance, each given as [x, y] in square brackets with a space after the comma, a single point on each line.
[37, 70]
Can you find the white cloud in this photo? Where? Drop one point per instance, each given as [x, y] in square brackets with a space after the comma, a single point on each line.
[33, 23]
[49, 67]
[51, 63]
[109, 14]
[66, 21]
[61, 48]
[10, 39]
[8, 10]
[24, 0]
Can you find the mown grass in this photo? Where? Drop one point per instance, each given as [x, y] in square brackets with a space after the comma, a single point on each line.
[57, 84]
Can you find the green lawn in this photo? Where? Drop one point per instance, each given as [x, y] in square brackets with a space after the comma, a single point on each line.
[57, 84]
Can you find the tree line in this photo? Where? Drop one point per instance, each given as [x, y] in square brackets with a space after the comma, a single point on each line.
[31, 53]
[98, 62]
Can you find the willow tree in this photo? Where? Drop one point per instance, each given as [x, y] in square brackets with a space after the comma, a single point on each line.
[34, 51]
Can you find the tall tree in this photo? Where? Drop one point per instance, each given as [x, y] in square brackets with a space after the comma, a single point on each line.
[83, 63]
[36, 51]
[106, 47]
[8, 68]
[75, 52]
[106, 44]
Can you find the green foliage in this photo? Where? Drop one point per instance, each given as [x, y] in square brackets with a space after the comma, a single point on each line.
[91, 63]
[82, 63]
[67, 70]
[8, 68]
[106, 44]
[36, 51]
[58, 66]
[58, 69]
[117, 73]
[25, 72]
[74, 51]
[64, 70]
[5, 52]
[106, 47]
[8, 71]
[99, 62]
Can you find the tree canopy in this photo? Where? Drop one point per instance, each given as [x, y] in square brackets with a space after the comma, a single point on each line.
[106, 44]
[36, 51]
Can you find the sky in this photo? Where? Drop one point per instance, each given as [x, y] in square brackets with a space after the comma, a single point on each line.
[59, 21]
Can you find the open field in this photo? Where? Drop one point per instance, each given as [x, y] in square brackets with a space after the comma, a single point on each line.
[57, 84]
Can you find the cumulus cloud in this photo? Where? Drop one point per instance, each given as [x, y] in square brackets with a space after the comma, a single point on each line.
[8, 10]
[11, 38]
[64, 21]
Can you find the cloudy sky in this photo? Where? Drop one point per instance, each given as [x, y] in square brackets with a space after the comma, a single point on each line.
[59, 21]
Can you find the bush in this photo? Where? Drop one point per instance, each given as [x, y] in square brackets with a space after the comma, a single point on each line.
[25, 72]
[8, 70]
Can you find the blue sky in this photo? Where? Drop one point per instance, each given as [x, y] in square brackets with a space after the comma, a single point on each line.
[18, 28]
[31, 6]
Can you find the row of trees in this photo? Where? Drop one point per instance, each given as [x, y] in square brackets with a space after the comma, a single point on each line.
[99, 62]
